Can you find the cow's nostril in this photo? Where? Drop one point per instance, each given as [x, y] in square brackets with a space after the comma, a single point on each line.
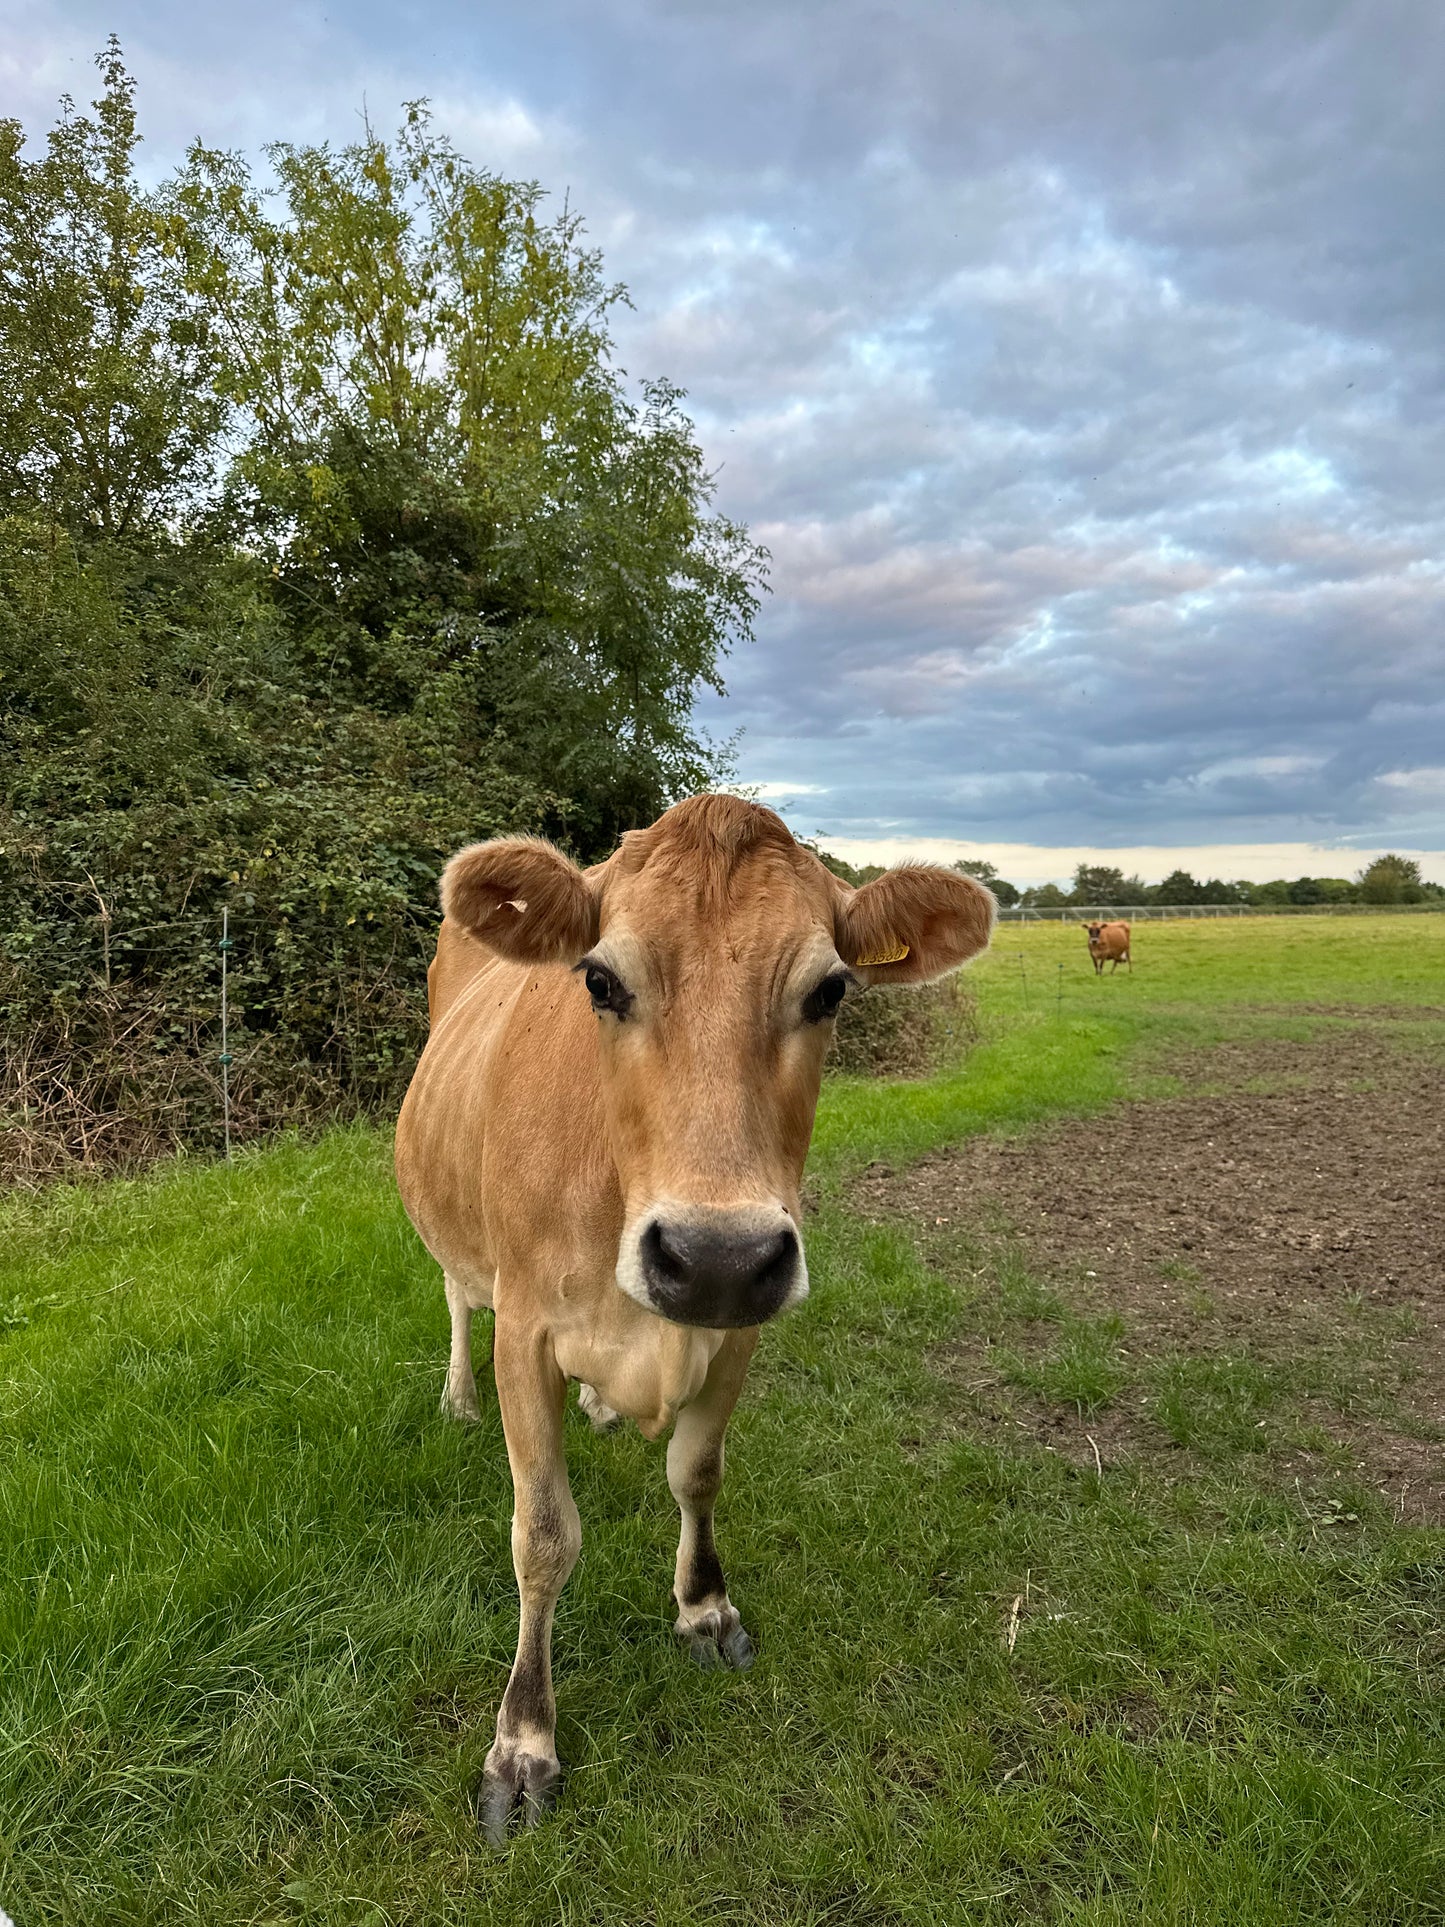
[777, 1258]
[664, 1254]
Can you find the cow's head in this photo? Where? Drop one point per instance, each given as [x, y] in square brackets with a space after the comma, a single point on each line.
[1093, 930]
[715, 952]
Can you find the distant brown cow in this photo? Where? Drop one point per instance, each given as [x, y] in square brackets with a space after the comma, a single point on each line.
[1109, 944]
[604, 1144]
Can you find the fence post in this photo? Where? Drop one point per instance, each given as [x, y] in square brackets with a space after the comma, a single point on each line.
[225, 1034]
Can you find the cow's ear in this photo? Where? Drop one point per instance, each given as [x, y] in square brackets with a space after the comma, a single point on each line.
[913, 924]
[522, 898]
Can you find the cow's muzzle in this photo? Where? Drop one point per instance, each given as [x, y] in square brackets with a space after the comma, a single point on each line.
[707, 1265]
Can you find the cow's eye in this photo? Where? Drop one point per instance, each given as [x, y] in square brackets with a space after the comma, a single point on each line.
[606, 991]
[824, 1001]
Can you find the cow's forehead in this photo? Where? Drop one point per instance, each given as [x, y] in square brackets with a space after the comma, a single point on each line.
[717, 875]
[766, 899]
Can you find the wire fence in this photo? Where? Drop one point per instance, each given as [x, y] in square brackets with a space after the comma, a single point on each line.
[1169, 912]
[200, 1032]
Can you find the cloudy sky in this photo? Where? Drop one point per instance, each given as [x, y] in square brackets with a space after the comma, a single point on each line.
[1081, 365]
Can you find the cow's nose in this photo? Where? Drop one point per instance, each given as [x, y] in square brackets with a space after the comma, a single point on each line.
[707, 1272]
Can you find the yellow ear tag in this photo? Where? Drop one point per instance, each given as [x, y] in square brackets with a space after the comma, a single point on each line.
[895, 955]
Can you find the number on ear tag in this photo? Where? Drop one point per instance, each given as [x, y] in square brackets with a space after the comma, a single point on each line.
[895, 954]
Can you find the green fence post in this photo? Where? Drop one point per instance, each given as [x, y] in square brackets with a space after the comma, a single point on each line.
[225, 1033]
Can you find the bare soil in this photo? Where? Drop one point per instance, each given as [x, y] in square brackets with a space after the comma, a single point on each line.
[1290, 1208]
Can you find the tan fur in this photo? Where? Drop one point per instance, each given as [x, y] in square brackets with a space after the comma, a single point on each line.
[537, 1137]
[948, 918]
[522, 897]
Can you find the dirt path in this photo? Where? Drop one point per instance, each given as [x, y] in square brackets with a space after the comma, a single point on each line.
[1272, 1223]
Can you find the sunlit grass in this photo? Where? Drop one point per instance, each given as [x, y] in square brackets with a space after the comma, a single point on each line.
[1242, 960]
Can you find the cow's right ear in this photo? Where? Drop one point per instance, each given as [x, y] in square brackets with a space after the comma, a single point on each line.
[522, 898]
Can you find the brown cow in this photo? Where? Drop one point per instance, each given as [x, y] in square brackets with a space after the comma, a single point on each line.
[1109, 943]
[603, 1143]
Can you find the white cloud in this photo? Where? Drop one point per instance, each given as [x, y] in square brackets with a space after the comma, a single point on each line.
[1031, 863]
[512, 138]
[1424, 783]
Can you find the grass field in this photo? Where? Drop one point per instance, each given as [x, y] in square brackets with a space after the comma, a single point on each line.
[257, 1610]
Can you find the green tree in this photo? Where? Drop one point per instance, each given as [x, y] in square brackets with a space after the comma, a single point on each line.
[159, 764]
[109, 409]
[1005, 893]
[446, 474]
[1178, 888]
[1391, 879]
[1098, 884]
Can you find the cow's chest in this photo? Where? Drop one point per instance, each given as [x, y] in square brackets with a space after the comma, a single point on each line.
[642, 1366]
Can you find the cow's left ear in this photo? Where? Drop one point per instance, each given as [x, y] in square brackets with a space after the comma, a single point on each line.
[913, 924]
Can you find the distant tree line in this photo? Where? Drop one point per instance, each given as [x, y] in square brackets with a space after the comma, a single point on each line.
[330, 537]
[1388, 880]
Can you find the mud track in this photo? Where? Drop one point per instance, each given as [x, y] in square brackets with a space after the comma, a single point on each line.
[1305, 1219]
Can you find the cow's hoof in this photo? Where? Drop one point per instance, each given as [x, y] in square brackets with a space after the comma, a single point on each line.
[717, 1639]
[461, 1404]
[515, 1782]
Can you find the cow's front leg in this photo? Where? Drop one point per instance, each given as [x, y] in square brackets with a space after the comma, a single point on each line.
[522, 1769]
[706, 1617]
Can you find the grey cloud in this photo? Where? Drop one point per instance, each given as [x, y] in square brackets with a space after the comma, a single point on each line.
[1080, 366]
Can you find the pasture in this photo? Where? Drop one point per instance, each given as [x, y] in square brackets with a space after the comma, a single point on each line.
[1088, 1516]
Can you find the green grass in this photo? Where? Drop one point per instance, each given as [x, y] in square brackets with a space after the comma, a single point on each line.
[1082, 1368]
[1058, 1039]
[256, 1605]
[1265, 960]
